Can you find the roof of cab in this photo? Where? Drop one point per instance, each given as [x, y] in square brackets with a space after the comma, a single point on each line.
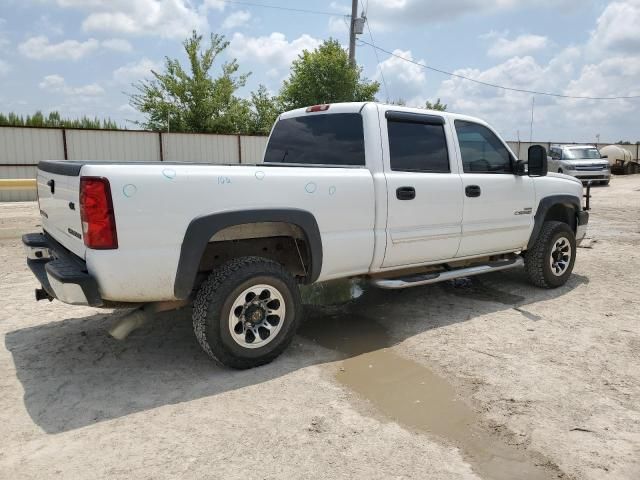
[356, 107]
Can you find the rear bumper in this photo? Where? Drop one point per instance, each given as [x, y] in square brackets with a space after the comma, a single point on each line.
[62, 274]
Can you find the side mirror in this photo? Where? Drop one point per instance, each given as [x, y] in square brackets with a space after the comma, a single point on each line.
[537, 161]
[520, 168]
[604, 156]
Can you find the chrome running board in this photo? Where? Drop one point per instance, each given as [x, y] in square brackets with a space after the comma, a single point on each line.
[428, 278]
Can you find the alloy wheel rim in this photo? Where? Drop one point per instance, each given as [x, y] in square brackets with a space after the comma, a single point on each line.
[256, 316]
[560, 257]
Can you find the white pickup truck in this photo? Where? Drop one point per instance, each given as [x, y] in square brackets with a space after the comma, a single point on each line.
[401, 196]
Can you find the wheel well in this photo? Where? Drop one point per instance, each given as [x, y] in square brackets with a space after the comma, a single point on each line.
[562, 213]
[281, 242]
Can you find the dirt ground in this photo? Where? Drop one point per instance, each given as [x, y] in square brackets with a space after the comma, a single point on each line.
[481, 378]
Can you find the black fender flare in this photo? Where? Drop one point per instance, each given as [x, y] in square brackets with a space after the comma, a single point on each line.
[202, 228]
[569, 201]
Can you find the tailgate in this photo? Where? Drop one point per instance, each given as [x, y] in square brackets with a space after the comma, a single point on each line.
[59, 200]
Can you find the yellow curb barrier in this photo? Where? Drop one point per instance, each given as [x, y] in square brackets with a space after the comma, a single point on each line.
[17, 183]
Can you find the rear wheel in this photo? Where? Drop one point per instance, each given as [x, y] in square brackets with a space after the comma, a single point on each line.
[247, 312]
[550, 262]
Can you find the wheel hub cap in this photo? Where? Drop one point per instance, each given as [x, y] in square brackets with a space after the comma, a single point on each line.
[560, 256]
[256, 316]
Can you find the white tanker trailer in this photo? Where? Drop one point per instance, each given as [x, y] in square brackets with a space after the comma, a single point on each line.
[620, 159]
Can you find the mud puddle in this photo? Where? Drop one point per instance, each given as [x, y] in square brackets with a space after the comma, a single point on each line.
[412, 395]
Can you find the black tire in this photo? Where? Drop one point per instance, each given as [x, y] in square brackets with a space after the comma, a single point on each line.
[605, 183]
[212, 311]
[538, 259]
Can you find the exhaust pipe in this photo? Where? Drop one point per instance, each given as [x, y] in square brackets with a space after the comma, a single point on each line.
[123, 327]
[130, 322]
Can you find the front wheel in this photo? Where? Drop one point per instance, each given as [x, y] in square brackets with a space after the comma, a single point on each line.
[247, 312]
[550, 262]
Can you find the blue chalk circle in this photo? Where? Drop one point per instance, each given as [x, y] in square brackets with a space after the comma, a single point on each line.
[170, 173]
[310, 187]
[260, 175]
[129, 190]
[223, 180]
[332, 190]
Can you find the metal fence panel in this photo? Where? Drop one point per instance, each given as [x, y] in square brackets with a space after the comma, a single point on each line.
[200, 148]
[253, 149]
[111, 145]
[30, 145]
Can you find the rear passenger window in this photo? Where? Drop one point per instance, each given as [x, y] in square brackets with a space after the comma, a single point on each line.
[326, 139]
[481, 150]
[417, 147]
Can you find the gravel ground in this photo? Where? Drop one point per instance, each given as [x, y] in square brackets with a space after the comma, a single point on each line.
[481, 378]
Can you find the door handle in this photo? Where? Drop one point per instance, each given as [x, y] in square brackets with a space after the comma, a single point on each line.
[472, 191]
[52, 186]
[406, 193]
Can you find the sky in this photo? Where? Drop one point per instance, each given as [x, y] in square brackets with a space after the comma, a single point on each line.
[80, 57]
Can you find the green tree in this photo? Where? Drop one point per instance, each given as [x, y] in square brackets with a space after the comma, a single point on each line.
[54, 119]
[193, 100]
[325, 76]
[436, 106]
[264, 111]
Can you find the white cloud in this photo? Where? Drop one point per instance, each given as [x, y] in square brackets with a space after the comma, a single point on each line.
[617, 28]
[163, 18]
[236, 19]
[46, 25]
[521, 45]
[385, 13]
[118, 44]
[338, 25]
[57, 84]
[39, 48]
[274, 50]
[404, 79]
[132, 72]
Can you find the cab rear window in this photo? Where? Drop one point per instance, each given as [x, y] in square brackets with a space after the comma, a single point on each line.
[328, 139]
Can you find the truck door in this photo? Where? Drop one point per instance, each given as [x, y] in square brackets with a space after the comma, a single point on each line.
[424, 189]
[498, 204]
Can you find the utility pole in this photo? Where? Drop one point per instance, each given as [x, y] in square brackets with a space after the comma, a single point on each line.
[533, 106]
[352, 33]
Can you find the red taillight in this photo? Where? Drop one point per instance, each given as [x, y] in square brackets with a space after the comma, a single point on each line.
[318, 108]
[96, 212]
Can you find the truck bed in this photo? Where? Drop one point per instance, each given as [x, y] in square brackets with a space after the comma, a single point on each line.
[154, 203]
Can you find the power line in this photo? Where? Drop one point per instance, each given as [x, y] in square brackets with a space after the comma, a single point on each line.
[502, 87]
[375, 51]
[278, 7]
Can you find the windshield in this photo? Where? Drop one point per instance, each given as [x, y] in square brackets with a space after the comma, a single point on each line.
[581, 154]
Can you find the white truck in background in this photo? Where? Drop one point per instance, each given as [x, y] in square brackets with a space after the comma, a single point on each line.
[580, 161]
[401, 196]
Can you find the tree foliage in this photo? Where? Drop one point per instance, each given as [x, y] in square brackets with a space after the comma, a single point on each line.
[54, 119]
[436, 106]
[265, 108]
[325, 76]
[191, 99]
